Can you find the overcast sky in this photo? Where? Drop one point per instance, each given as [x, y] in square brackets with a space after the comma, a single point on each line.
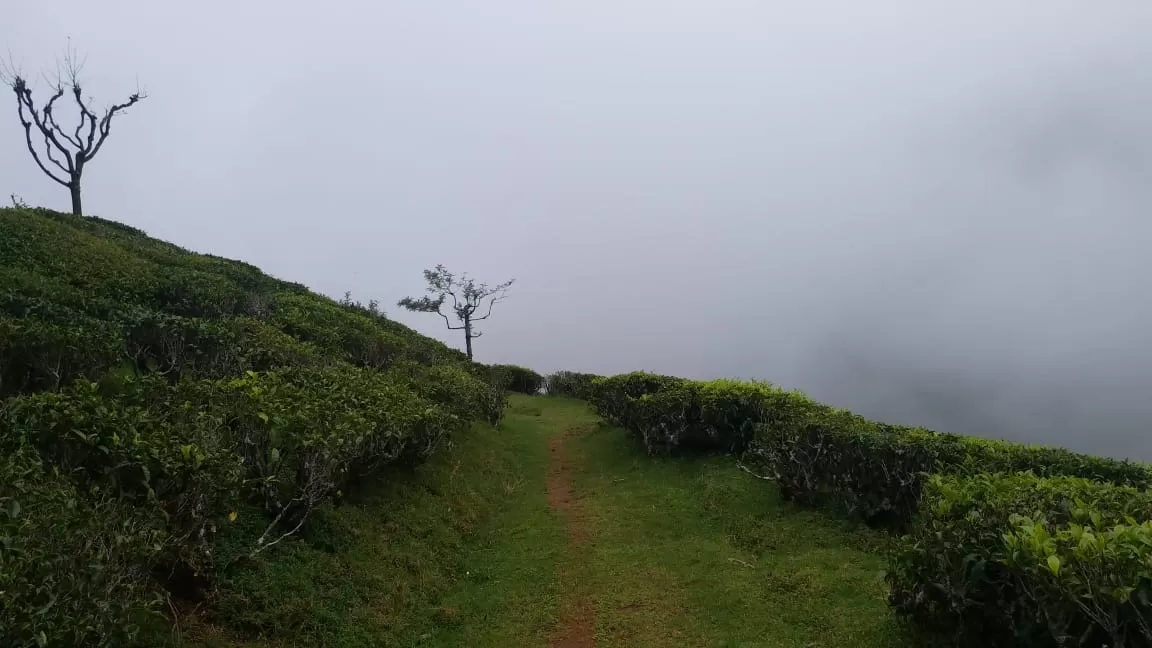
[931, 212]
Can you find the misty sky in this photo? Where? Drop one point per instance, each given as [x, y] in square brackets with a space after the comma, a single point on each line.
[934, 213]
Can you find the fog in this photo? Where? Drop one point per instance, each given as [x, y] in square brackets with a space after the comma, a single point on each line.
[933, 213]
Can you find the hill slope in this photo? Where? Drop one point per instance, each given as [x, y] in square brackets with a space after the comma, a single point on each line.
[75, 291]
[170, 415]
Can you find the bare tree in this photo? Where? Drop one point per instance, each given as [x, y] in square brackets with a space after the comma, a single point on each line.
[468, 297]
[65, 152]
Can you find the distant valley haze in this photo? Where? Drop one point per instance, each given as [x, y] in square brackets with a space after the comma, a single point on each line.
[932, 213]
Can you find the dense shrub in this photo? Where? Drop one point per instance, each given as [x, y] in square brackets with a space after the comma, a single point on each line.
[570, 383]
[140, 442]
[36, 354]
[194, 293]
[359, 337]
[193, 452]
[171, 415]
[264, 347]
[27, 294]
[304, 434]
[876, 472]
[518, 379]
[718, 415]
[93, 264]
[672, 414]
[175, 346]
[79, 297]
[74, 569]
[614, 396]
[459, 390]
[1011, 560]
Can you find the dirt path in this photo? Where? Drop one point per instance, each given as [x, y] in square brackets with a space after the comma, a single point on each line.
[576, 625]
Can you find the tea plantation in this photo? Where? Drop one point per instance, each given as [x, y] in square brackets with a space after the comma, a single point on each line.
[194, 453]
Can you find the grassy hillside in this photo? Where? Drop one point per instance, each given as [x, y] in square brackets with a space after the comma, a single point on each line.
[169, 416]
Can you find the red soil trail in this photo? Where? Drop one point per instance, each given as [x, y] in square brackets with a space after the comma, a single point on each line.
[577, 623]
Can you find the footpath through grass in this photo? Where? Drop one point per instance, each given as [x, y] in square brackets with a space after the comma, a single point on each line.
[555, 531]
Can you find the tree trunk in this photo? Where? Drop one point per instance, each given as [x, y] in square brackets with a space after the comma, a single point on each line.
[74, 187]
[468, 336]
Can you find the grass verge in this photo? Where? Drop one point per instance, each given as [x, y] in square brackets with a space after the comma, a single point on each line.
[460, 551]
[695, 552]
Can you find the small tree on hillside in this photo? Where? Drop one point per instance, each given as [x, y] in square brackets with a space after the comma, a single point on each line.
[468, 298]
[65, 152]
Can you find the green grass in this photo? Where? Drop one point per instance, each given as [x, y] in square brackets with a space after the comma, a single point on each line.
[466, 552]
[695, 552]
[461, 552]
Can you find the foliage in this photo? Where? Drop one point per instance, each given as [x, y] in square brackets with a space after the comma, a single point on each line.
[469, 394]
[979, 540]
[80, 296]
[467, 296]
[819, 455]
[73, 567]
[1023, 560]
[669, 413]
[36, 354]
[171, 416]
[570, 383]
[418, 557]
[614, 397]
[876, 472]
[518, 379]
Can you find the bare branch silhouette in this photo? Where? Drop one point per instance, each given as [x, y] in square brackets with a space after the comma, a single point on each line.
[65, 155]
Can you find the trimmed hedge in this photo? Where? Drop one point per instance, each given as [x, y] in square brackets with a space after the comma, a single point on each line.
[184, 458]
[614, 397]
[74, 567]
[817, 454]
[518, 379]
[570, 383]
[1006, 560]
[876, 472]
[81, 296]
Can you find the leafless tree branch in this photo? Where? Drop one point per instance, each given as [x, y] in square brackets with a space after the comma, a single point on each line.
[106, 122]
[77, 148]
[20, 88]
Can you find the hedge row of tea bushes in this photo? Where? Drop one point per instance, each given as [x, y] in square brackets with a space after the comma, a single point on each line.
[80, 297]
[518, 379]
[570, 383]
[1002, 543]
[172, 416]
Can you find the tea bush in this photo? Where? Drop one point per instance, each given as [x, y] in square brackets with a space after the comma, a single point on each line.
[999, 560]
[876, 472]
[673, 414]
[467, 394]
[37, 355]
[570, 383]
[614, 397]
[519, 379]
[169, 416]
[74, 569]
